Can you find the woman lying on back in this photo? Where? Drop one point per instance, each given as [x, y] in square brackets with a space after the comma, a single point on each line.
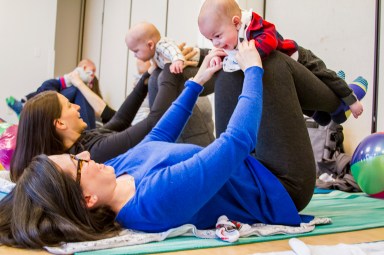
[178, 184]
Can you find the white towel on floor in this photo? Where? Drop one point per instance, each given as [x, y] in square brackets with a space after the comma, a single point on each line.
[131, 237]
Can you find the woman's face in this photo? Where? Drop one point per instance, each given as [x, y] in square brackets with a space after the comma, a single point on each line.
[95, 179]
[70, 115]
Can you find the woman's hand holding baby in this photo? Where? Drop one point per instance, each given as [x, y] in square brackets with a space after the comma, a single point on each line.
[206, 71]
[248, 55]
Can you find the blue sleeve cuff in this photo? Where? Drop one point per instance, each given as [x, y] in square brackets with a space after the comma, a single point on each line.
[254, 69]
[194, 86]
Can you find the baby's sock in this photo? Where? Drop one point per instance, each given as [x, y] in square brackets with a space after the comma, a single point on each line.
[14, 104]
[67, 81]
[85, 76]
[359, 87]
[341, 74]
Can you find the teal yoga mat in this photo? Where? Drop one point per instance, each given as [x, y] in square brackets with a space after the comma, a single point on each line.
[348, 211]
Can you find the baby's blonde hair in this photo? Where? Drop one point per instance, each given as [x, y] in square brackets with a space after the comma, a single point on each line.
[217, 9]
[143, 32]
[84, 62]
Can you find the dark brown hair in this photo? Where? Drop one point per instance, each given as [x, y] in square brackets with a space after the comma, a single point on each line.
[36, 132]
[47, 207]
[96, 87]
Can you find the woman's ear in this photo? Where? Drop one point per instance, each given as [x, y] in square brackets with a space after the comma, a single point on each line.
[236, 20]
[84, 155]
[59, 124]
[91, 200]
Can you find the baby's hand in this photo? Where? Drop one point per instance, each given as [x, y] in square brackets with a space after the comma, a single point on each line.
[177, 66]
[356, 109]
[206, 71]
[75, 79]
[215, 61]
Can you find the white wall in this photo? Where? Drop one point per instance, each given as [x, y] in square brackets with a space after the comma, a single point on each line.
[178, 21]
[342, 34]
[114, 52]
[67, 35]
[27, 34]
[93, 31]
[380, 108]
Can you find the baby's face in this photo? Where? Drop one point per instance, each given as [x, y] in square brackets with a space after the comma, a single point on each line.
[141, 50]
[90, 69]
[223, 35]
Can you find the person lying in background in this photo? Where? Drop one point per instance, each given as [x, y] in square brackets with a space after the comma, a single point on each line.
[81, 87]
[51, 124]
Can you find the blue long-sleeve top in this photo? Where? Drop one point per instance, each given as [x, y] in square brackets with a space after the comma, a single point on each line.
[180, 184]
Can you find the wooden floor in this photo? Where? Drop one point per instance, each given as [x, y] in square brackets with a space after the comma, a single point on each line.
[369, 235]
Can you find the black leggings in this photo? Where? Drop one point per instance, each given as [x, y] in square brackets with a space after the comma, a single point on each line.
[283, 144]
[164, 87]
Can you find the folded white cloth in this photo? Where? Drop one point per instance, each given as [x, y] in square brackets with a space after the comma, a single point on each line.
[130, 237]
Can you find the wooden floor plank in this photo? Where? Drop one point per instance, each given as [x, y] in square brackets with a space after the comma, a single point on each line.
[368, 235]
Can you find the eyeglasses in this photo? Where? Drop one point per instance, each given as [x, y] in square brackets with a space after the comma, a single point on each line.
[80, 163]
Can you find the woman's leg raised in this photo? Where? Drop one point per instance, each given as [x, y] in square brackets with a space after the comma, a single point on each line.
[199, 128]
[283, 144]
[152, 86]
